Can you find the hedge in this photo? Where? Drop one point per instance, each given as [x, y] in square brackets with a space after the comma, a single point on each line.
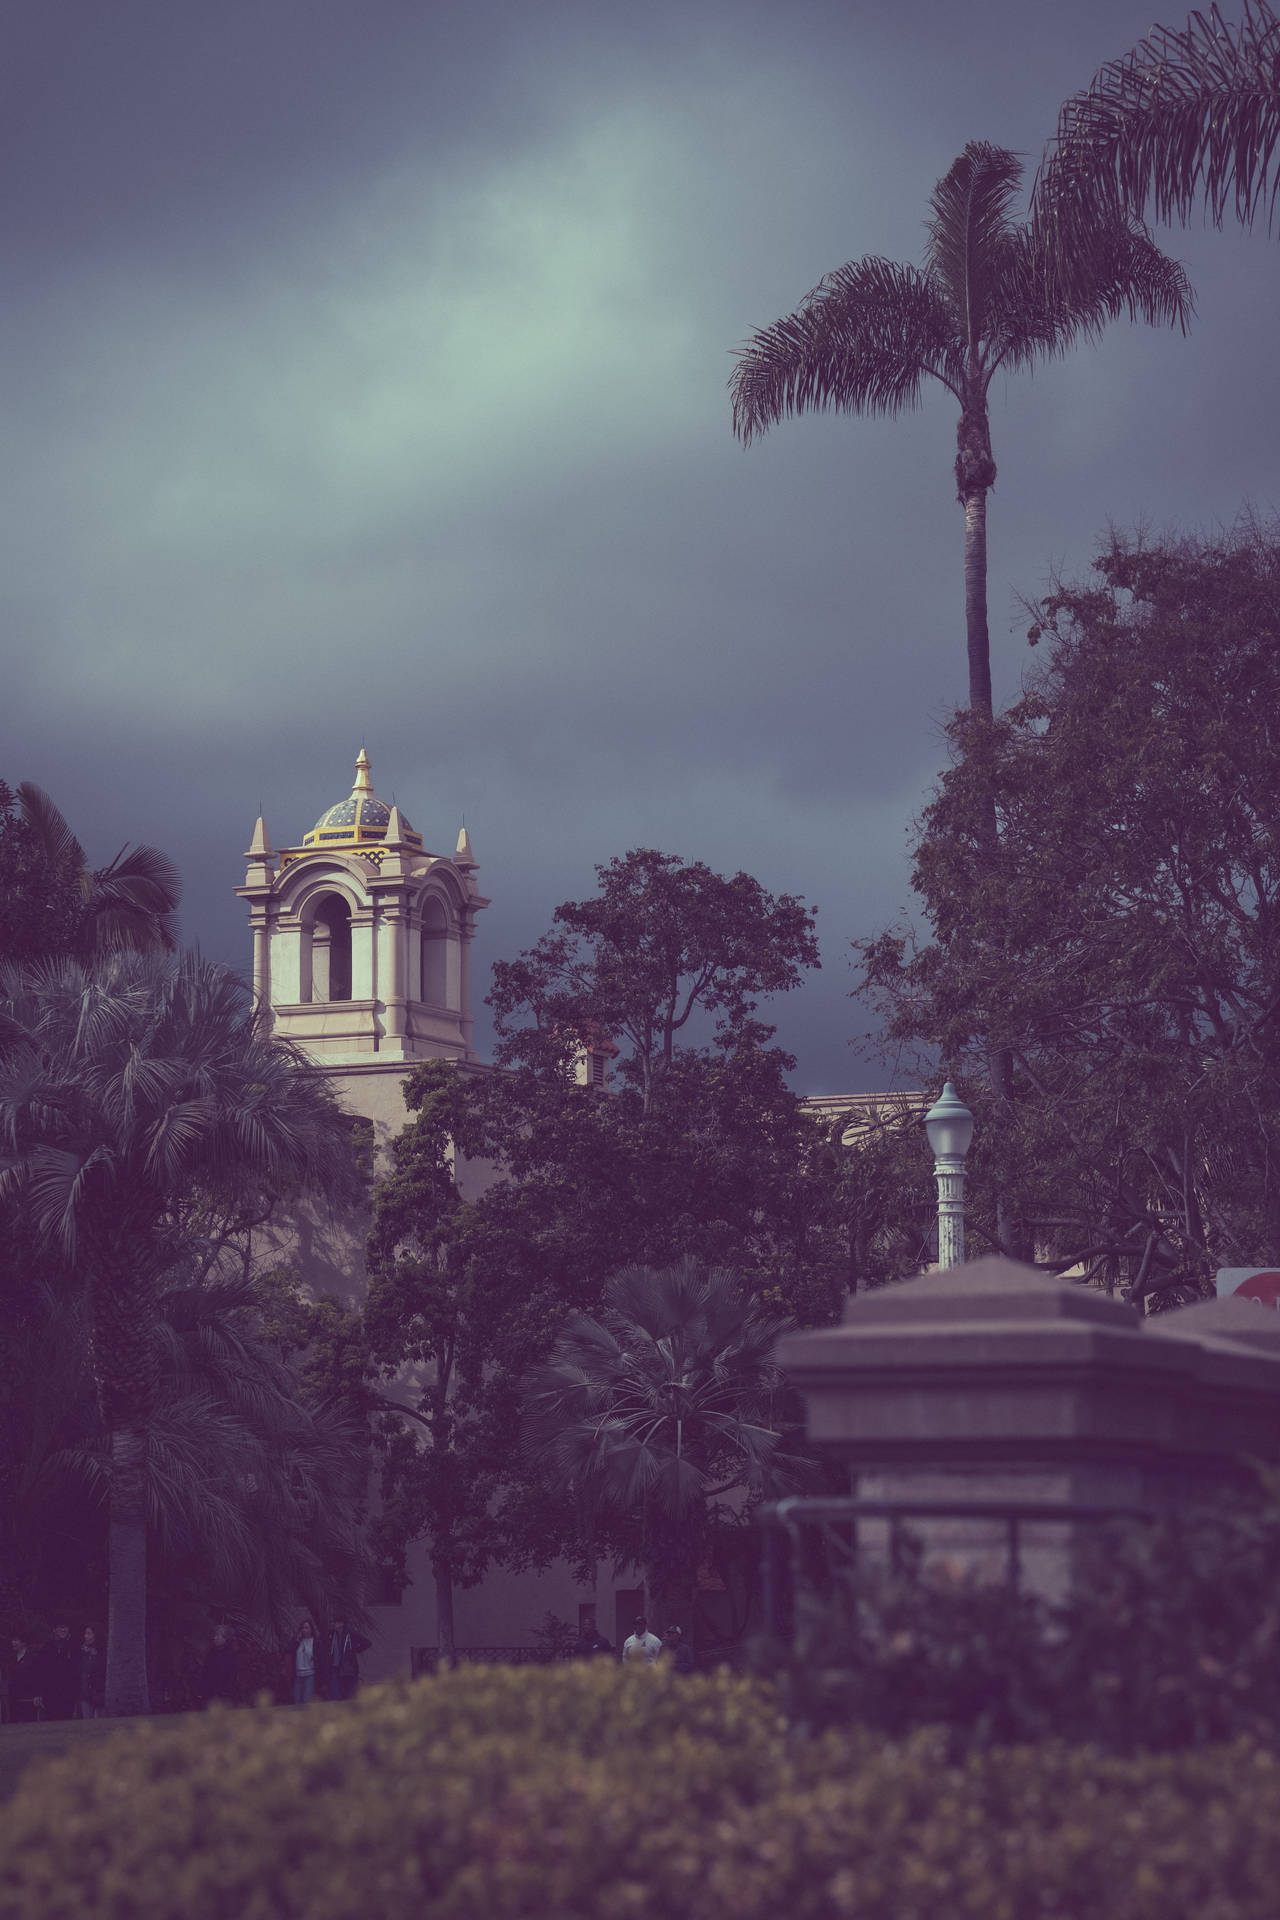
[576, 1793]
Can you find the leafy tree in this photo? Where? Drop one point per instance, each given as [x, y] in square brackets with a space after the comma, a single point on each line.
[52, 902]
[661, 944]
[989, 297]
[136, 1094]
[659, 1407]
[1126, 950]
[1189, 118]
[698, 1150]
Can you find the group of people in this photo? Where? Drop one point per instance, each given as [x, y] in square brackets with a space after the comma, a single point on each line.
[57, 1681]
[326, 1664]
[640, 1645]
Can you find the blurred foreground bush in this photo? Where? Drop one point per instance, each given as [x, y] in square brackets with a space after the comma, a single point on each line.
[580, 1792]
[1170, 1639]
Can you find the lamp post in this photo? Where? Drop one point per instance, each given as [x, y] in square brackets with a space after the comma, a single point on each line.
[949, 1125]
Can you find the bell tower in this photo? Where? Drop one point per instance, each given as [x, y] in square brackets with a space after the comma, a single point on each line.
[362, 938]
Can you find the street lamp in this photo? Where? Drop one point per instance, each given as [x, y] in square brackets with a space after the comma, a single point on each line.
[949, 1125]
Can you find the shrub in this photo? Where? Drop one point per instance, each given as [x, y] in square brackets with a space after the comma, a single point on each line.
[584, 1791]
[1170, 1639]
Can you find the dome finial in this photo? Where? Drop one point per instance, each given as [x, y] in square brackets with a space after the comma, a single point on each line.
[363, 783]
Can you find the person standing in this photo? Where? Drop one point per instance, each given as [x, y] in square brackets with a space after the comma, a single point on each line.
[91, 1677]
[306, 1663]
[344, 1652]
[641, 1645]
[676, 1651]
[590, 1640]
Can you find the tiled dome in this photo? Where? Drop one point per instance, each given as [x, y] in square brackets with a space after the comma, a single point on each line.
[359, 822]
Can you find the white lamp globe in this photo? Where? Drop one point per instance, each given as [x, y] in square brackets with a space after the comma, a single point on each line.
[949, 1125]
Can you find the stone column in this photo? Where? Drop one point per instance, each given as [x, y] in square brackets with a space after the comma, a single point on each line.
[992, 1382]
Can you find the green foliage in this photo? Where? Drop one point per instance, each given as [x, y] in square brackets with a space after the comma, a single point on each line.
[1122, 949]
[1168, 1640]
[146, 1119]
[662, 943]
[700, 1149]
[53, 903]
[588, 1792]
[692, 1151]
[649, 1413]
[39, 900]
[254, 1488]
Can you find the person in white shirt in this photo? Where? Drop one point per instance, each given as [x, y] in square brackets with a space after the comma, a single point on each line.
[642, 1645]
[305, 1648]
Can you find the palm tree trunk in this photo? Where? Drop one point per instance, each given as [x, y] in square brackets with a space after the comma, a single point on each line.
[975, 475]
[977, 634]
[126, 1686]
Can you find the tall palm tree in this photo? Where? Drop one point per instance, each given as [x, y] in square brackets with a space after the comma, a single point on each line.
[130, 903]
[870, 334]
[665, 1403]
[128, 1089]
[1190, 117]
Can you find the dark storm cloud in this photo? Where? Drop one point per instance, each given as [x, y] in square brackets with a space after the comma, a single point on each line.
[364, 378]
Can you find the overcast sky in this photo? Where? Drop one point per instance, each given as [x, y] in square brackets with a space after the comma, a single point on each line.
[364, 373]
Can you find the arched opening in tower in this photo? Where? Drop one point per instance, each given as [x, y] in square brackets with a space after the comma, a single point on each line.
[331, 950]
[435, 954]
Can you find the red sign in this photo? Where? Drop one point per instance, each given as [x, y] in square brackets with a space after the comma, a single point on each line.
[1256, 1283]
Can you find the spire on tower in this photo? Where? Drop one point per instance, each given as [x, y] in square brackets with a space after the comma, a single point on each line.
[363, 783]
[464, 856]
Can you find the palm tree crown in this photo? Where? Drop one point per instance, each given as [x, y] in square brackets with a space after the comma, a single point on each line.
[129, 903]
[1189, 117]
[869, 335]
[666, 1400]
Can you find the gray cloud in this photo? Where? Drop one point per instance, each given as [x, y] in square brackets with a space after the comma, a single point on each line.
[364, 378]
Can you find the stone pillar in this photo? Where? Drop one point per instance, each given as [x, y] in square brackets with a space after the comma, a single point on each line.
[395, 929]
[993, 1382]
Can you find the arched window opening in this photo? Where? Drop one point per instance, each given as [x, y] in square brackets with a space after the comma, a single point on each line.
[435, 954]
[331, 950]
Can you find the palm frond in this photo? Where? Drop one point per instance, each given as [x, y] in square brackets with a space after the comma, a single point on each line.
[1187, 118]
[1038, 313]
[863, 341]
[972, 207]
[58, 845]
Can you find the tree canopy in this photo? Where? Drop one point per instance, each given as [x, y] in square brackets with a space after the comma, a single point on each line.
[1125, 948]
[687, 1151]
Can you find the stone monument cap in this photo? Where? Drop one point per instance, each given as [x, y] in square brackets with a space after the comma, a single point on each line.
[985, 1290]
[1246, 1323]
